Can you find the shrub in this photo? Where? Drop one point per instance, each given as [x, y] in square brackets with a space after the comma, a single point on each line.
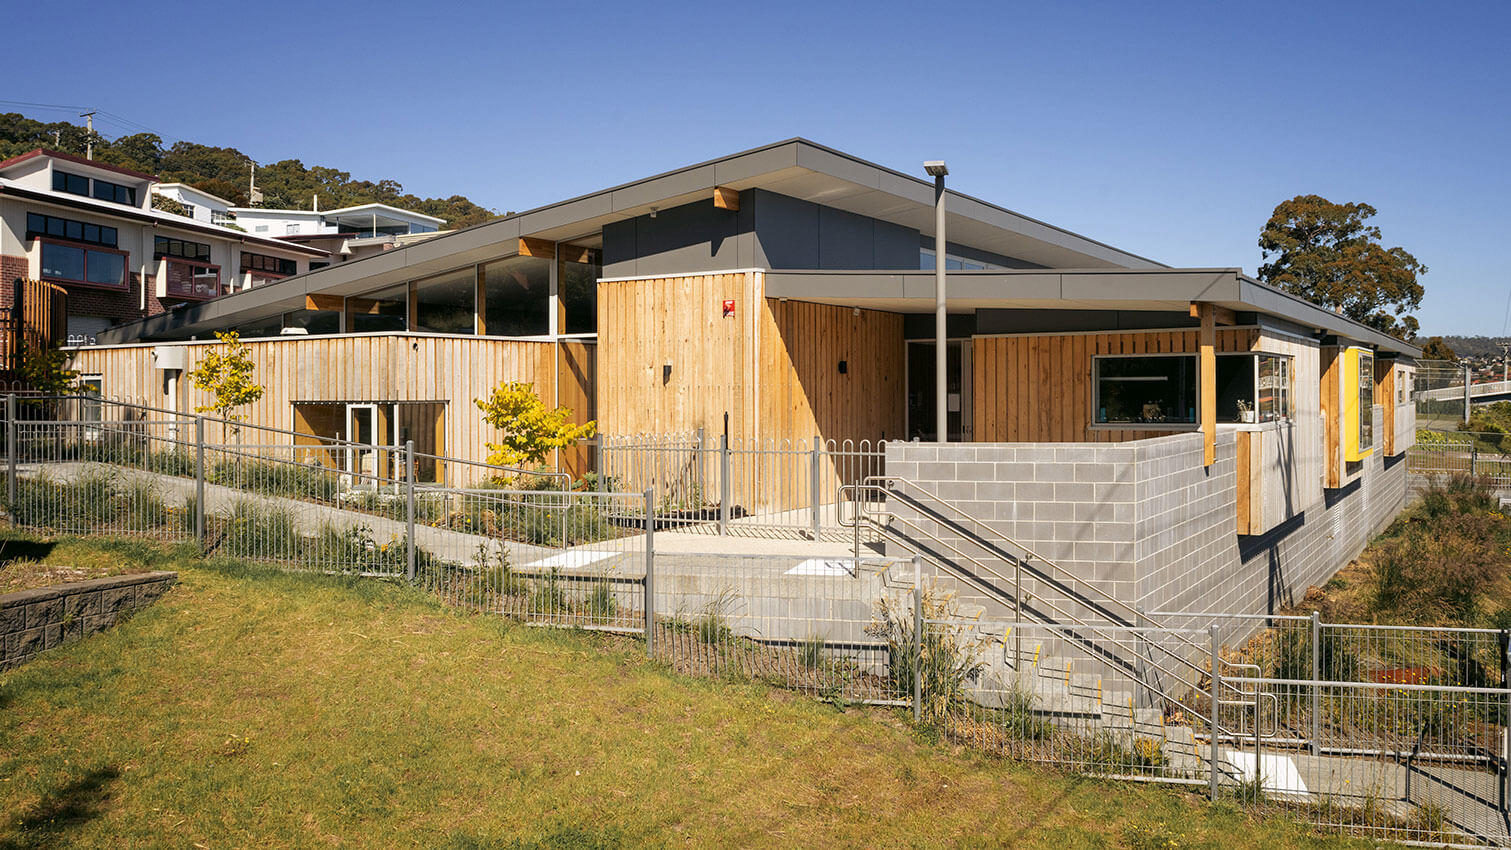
[1440, 570]
[946, 656]
[290, 480]
[256, 531]
[1457, 493]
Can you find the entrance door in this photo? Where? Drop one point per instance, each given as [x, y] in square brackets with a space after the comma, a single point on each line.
[921, 394]
[361, 457]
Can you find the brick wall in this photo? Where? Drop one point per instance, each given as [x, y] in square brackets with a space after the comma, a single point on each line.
[34, 621]
[84, 301]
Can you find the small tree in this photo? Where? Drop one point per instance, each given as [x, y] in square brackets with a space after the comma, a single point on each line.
[530, 430]
[46, 371]
[227, 377]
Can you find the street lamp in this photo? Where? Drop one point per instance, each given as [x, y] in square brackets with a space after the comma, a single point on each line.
[937, 170]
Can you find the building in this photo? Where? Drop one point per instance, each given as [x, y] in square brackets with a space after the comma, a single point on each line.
[88, 229]
[197, 203]
[787, 292]
[349, 233]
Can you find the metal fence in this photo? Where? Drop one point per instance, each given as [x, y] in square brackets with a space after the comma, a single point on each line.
[1475, 453]
[1391, 732]
[736, 487]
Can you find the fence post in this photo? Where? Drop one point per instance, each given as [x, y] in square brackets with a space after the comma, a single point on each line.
[918, 626]
[1474, 456]
[602, 465]
[1216, 697]
[723, 484]
[1466, 393]
[11, 455]
[199, 481]
[650, 573]
[814, 490]
[1316, 688]
[698, 469]
[409, 544]
[1505, 783]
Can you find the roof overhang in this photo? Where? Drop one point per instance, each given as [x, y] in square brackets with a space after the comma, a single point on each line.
[1071, 289]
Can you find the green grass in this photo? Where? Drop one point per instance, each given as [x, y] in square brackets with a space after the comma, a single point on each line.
[257, 708]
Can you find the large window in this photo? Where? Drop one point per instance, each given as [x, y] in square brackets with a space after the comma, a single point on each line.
[579, 295]
[1163, 389]
[517, 297]
[66, 263]
[381, 310]
[446, 303]
[1145, 390]
[116, 193]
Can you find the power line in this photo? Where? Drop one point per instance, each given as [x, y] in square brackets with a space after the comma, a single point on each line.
[44, 105]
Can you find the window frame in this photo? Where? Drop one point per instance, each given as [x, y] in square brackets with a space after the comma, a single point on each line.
[1288, 392]
[192, 294]
[87, 248]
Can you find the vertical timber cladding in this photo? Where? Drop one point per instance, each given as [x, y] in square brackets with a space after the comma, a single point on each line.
[576, 389]
[1037, 389]
[670, 361]
[454, 370]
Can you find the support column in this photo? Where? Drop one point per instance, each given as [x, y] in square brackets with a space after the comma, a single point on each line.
[1206, 402]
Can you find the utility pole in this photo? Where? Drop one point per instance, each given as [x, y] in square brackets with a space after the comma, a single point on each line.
[1505, 362]
[88, 134]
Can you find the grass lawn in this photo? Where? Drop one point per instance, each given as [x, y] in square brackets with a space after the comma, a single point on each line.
[254, 708]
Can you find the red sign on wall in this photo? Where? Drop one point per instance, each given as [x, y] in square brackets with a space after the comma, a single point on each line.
[729, 308]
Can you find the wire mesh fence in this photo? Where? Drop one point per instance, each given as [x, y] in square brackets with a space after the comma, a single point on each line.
[1393, 732]
[719, 485]
[1484, 454]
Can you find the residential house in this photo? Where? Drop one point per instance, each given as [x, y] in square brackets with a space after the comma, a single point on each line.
[88, 231]
[348, 233]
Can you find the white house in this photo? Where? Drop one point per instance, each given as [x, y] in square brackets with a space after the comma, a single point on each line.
[200, 205]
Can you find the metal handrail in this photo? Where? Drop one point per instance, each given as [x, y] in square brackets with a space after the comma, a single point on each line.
[873, 484]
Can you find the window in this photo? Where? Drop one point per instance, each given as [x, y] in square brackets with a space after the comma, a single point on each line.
[951, 262]
[579, 294]
[188, 209]
[38, 224]
[261, 228]
[191, 279]
[1145, 389]
[290, 228]
[1250, 388]
[73, 184]
[517, 297]
[221, 218]
[78, 264]
[383, 310]
[265, 265]
[182, 249]
[447, 303]
[1366, 400]
[116, 193]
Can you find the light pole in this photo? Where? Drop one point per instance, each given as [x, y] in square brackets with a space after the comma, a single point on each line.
[936, 169]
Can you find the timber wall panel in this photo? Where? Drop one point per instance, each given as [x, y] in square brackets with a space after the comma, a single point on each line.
[1037, 388]
[382, 367]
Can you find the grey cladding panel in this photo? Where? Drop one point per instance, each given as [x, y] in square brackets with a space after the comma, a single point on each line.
[896, 246]
[845, 240]
[787, 231]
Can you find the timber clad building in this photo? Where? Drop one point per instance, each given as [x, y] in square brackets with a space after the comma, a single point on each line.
[787, 292]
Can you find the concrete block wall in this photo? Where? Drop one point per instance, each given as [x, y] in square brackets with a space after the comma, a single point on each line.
[34, 621]
[1146, 522]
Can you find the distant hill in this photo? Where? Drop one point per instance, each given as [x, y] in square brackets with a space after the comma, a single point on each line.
[288, 184]
[1475, 346]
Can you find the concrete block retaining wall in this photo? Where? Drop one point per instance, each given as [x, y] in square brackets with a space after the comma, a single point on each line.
[33, 621]
[1146, 522]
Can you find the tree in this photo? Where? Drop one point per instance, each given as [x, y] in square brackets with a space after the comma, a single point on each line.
[530, 430]
[46, 371]
[169, 205]
[1326, 253]
[227, 377]
[1436, 349]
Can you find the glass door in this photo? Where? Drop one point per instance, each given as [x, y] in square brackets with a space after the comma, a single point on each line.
[921, 395]
[361, 454]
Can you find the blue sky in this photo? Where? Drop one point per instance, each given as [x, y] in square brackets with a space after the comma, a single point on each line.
[1168, 129]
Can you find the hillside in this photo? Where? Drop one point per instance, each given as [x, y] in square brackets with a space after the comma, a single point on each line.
[1475, 346]
[288, 184]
